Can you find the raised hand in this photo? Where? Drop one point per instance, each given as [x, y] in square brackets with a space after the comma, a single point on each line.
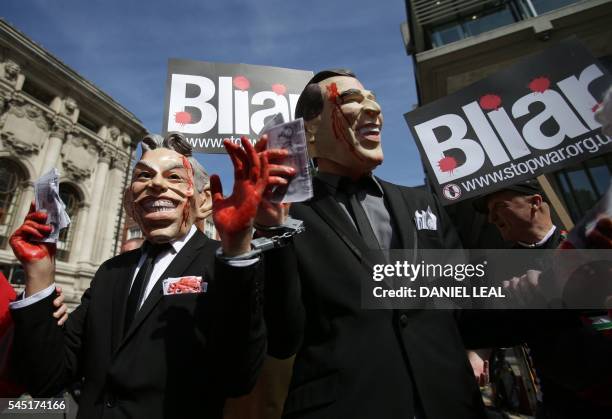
[234, 215]
[272, 213]
[23, 242]
[37, 258]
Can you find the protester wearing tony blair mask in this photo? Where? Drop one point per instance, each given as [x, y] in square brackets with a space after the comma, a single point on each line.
[345, 137]
[179, 300]
[354, 362]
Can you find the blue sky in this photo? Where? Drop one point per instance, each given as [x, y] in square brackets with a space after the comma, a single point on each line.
[123, 47]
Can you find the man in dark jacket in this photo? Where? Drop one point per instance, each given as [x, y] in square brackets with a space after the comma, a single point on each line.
[165, 331]
[355, 362]
[568, 363]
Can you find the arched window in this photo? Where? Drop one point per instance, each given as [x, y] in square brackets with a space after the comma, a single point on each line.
[72, 199]
[11, 179]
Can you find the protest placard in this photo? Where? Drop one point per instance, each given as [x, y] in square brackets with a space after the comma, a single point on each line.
[209, 102]
[531, 118]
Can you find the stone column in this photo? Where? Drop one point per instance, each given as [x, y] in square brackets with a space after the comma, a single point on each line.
[97, 193]
[114, 200]
[76, 251]
[54, 148]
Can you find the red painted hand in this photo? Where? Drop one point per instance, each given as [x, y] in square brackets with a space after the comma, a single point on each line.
[233, 216]
[272, 213]
[23, 242]
[37, 258]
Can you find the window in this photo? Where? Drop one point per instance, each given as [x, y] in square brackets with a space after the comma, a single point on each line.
[11, 179]
[88, 123]
[584, 184]
[470, 19]
[543, 6]
[475, 21]
[72, 199]
[14, 273]
[37, 92]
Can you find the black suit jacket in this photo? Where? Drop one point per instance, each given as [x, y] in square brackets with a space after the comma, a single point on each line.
[358, 363]
[182, 355]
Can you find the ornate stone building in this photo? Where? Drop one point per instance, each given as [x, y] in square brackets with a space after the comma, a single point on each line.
[50, 116]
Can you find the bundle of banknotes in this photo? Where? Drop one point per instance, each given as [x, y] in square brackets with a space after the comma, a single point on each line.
[292, 137]
[47, 198]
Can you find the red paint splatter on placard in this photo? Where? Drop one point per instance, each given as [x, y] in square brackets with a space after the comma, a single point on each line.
[447, 164]
[182, 118]
[332, 92]
[241, 83]
[596, 107]
[490, 102]
[279, 89]
[539, 84]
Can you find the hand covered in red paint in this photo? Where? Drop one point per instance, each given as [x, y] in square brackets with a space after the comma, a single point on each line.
[234, 215]
[273, 213]
[37, 258]
[601, 236]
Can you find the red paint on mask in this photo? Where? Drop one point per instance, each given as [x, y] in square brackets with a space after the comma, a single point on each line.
[539, 84]
[339, 126]
[279, 89]
[332, 92]
[241, 83]
[182, 118]
[447, 164]
[490, 102]
[187, 207]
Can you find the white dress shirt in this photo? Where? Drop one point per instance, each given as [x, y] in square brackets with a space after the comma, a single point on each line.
[161, 264]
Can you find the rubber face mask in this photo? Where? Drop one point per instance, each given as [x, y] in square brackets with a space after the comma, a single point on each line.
[161, 195]
[348, 130]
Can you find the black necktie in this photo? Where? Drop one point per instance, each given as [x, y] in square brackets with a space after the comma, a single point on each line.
[357, 212]
[142, 278]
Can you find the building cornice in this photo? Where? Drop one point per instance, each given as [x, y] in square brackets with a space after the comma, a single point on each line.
[38, 56]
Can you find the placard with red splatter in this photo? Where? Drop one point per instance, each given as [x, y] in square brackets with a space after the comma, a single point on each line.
[528, 119]
[209, 102]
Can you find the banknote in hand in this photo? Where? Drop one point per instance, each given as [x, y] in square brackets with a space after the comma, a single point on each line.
[292, 137]
[47, 198]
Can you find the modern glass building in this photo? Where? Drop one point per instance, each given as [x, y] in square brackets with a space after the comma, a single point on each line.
[455, 43]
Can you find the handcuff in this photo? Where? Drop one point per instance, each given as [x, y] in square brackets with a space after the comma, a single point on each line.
[286, 231]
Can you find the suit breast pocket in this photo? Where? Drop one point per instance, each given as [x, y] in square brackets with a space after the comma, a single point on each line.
[429, 239]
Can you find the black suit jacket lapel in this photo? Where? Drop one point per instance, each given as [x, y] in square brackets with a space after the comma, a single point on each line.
[179, 265]
[326, 206]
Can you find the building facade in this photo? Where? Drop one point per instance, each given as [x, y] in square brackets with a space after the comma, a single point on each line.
[455, 43]
[50, 117]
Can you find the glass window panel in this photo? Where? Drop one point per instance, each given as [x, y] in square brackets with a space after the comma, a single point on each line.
[568, 196]
[543, 6]
[478, 24]
[600, 174]
[446, 34]
[583, 191]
